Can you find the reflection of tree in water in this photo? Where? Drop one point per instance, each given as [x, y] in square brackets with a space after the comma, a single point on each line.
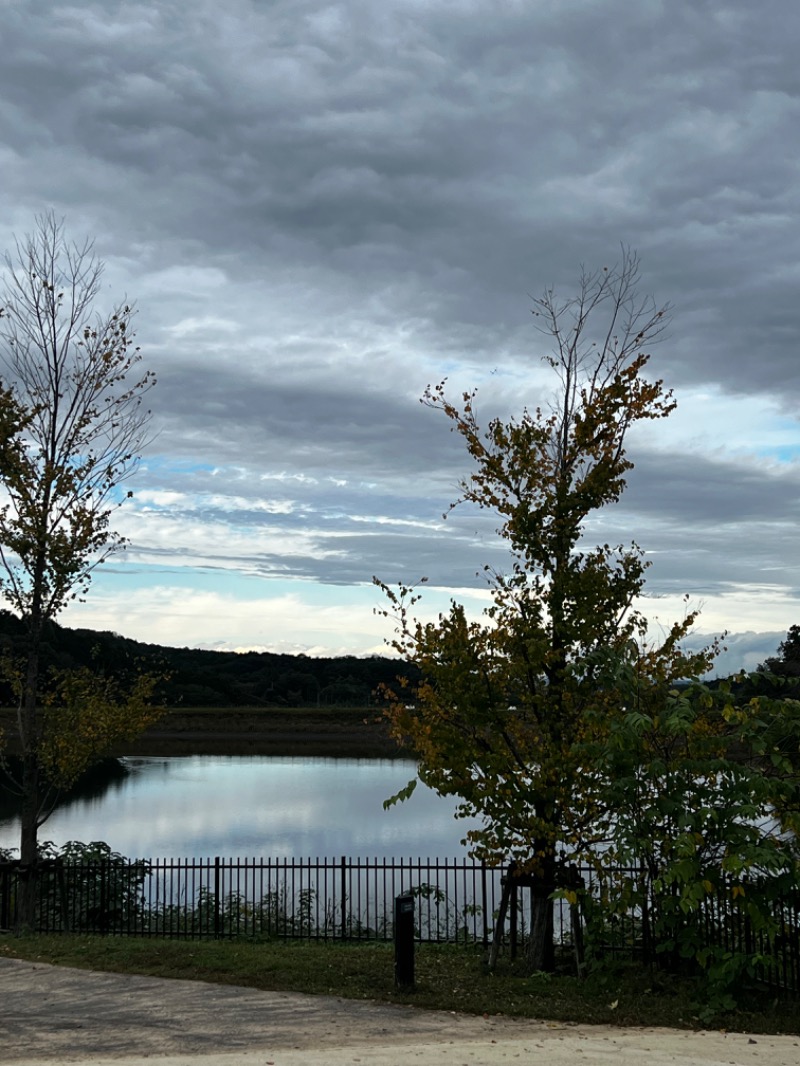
[105, 775]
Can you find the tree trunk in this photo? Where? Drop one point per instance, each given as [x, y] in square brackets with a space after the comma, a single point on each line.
[31, 783]
[501, 921]
[541, 953]
[29, 845]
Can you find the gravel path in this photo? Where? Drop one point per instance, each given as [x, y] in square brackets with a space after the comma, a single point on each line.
[54, 1014]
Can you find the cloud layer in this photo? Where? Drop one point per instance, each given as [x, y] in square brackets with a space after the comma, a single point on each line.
[320, 208]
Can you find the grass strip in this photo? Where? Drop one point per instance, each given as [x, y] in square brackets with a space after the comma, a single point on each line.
[448, 978]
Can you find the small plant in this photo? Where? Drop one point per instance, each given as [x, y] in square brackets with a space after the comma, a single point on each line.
[438, 918]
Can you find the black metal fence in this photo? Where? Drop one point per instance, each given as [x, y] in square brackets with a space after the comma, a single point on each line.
[293, 898]
[456, 901]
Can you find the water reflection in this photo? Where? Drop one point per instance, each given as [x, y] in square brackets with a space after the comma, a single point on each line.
[94, 783]
[260, 806]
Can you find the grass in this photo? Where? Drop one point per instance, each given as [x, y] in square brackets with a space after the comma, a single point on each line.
[447, 978]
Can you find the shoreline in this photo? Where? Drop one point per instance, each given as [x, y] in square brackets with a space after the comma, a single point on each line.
[346, 732]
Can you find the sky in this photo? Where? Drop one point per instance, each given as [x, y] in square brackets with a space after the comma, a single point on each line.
[320, 208]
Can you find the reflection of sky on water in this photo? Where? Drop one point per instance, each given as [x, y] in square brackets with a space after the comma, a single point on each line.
[201, 806]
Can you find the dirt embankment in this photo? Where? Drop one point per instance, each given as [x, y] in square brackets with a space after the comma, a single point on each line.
[266, 731]
[346, 731]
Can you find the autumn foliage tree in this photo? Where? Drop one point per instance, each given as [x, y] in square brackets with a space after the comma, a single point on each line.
[511, 704]
[72, 423]
[702, 811]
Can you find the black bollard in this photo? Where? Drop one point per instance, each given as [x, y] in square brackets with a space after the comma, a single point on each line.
[404, 941]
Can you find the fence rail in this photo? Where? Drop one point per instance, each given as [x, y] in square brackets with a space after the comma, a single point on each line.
[456, 901]
[294, 898]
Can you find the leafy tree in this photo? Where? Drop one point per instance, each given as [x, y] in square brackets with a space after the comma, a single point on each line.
[72, 422]
[703, 798]
[508, 704]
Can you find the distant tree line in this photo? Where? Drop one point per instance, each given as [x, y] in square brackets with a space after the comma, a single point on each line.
[194, 677]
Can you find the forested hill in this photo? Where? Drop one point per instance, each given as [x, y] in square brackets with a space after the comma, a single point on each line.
[198, 678]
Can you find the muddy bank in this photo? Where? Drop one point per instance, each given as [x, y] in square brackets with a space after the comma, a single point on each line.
[338, 732]
[357, 733]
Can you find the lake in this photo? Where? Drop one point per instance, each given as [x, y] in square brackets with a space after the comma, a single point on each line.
[201, 806]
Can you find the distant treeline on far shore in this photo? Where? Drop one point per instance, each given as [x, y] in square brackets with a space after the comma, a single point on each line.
[200, 678]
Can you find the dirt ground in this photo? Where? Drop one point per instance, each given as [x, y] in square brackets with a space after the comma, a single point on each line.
[58, 1015]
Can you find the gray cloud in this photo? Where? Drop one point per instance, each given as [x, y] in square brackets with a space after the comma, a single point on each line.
[712, 492]
[322, 208]
[744, 651]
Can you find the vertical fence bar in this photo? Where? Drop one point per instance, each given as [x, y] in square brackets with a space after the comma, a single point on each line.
[321, 908]
[512, 914]
[343, 896]
[386, 921]
[286, 904]
[217, 915]
[487, 905]
[455, 901]
[293, 897]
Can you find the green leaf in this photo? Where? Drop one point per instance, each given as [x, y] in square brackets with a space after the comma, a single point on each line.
[402, 795]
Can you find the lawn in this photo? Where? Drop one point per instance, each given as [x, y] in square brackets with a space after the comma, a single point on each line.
[447, 978]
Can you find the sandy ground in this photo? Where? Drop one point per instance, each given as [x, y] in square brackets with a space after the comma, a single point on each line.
[53, 1014]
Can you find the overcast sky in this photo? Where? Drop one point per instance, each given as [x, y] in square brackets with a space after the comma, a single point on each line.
[321, 208]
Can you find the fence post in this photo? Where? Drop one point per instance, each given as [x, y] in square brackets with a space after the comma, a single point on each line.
[404, 941]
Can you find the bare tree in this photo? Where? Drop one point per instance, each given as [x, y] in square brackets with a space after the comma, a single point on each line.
[73, 424]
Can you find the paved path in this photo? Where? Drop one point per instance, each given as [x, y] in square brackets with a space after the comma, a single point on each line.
[53, 1014]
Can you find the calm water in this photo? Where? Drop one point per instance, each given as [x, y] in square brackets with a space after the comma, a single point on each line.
[201, 806]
